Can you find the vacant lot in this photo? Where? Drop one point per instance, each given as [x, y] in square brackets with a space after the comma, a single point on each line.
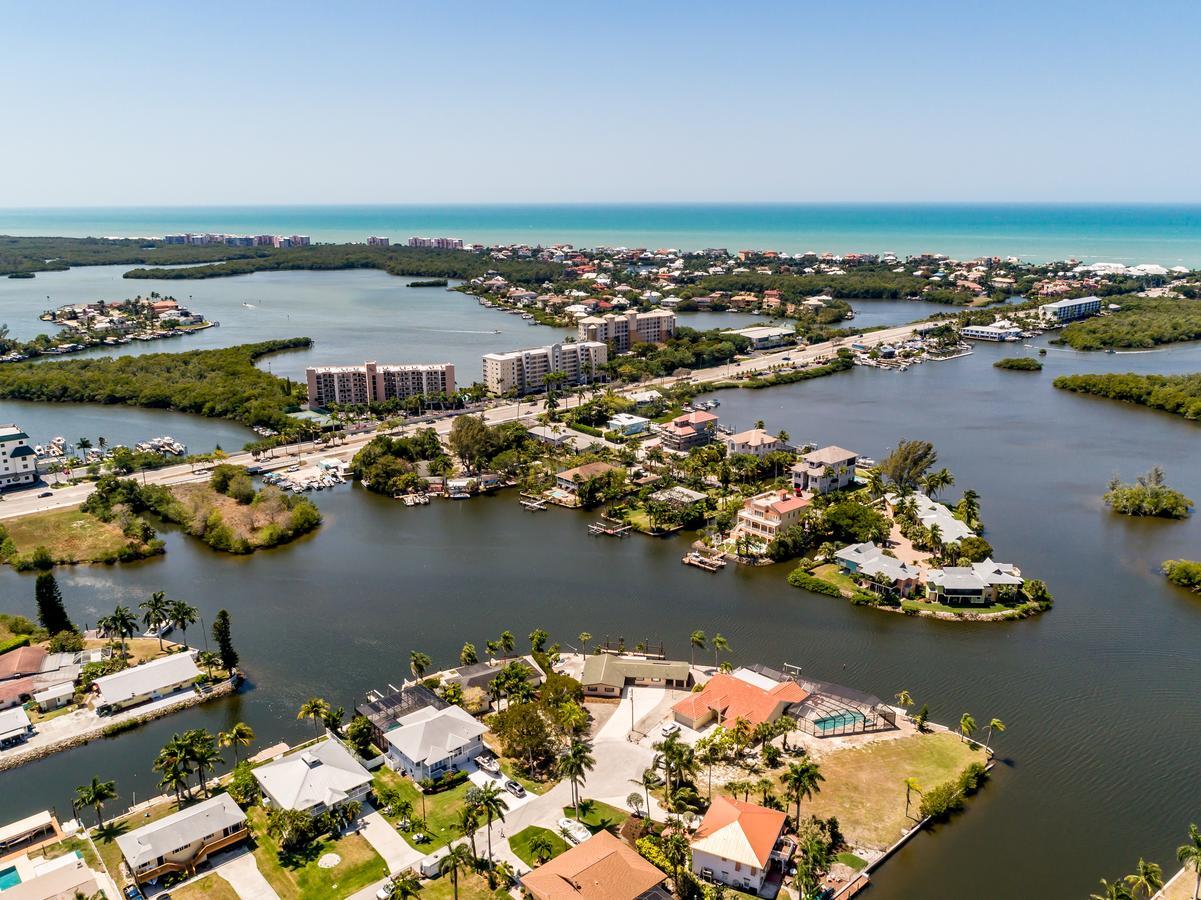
[71, 536]
[865, 786]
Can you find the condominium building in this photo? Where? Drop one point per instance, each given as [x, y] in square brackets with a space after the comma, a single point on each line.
[18, 462]
[374, 241]
[373, 383]
[621, 330]
[524, 371]
[439, 243]
[1069, 310]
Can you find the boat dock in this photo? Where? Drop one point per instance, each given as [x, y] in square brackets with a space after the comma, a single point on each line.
[603, 528]
[533, 502]
[701, 561]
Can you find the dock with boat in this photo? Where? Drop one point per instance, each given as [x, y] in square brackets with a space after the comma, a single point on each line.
[703, 561]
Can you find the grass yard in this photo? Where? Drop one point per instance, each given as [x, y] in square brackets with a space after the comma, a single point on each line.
[509, 768]
[598, 816]
[851, 860]
[70, 535]
[520, 844]
[471, 887]
[210, 887]
[69, 845]
[303, 878]
[138, 649]
[105, 838]
[442, 810]
[865, 786]
[835, 576]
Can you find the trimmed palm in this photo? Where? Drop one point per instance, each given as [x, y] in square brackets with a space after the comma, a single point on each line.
[967, 726]
[697, 642]
[575, 765]
[911, 788]
[994, 725]
[541, 846]
[1147, 878]
[404, 885]
[181, 615]
[720, 644]
[239, 735]
[418, 663]
[315, 709]
[123, 624]
[155, 613]
[489, 801]
[96, 795]
[801, 781]
[1189, 856]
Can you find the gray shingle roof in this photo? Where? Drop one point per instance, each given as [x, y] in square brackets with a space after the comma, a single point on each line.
[179, 829]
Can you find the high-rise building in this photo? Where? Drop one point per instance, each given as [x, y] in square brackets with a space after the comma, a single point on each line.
[622, 330]
[524, 371]
[374, 241]
[441, 243]
[18, 462]
[372, 383]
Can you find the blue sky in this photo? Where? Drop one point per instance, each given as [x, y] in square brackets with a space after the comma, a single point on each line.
[263, 102]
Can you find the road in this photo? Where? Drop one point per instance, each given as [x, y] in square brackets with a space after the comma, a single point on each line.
[24, 502]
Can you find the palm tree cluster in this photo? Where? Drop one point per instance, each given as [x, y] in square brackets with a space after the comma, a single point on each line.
[195, 753]
[1147, 878]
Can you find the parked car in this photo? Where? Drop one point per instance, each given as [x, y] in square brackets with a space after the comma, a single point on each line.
[670, 728]
[133, 892]
[514, 788]
[574, 830]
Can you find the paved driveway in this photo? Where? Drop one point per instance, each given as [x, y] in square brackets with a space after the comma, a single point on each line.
[388, 843]
[244, 876]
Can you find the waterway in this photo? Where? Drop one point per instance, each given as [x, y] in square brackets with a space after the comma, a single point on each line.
[1099, 694]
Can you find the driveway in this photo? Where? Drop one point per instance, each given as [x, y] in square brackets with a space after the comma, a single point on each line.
[388, 843]
[245, 878]
[480, 778]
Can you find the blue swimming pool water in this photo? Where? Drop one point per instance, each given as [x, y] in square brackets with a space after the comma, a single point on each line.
[839, 720]
[9, 878]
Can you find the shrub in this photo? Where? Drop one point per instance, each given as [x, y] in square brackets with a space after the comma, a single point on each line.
[799, 578]
[242, 785]
[648, 847]
[971, 778]
[1184, 572]
[66, 642]
[120, 727]
[940, 801]
[21, 640]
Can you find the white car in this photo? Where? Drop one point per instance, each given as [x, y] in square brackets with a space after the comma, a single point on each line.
[670, 728]
[574, 830]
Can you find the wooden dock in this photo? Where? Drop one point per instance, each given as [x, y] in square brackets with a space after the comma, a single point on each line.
[601, 528]
[532, 502]
[708, 563]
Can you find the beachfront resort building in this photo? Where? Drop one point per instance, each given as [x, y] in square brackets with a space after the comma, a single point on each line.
[601, 868]
[755, 442]
[741, 694]
[765, 515]
[1069, 310]
[825, 470]
[141, 684]
[765, 337]
[373, 383]
[739, 844]
[523, 371]
[431, 742]
[183, 840]
[607, 675]
[694, 429]
[18, 462]
[620, 331]
[315, 779]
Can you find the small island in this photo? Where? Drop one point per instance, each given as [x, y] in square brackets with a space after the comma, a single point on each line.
[1184, 572]
[1176, 394]
[1148, 495]
[429, 282]
[1019, 364]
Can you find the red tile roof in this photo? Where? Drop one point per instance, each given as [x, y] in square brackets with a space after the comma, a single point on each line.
[732, 698]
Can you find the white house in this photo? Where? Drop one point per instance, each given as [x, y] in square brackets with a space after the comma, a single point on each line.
[181, 841]
[314, 779]
[974, 585]
[825, 470]
[149, 681]
[755, 442]
[428, 742]
[628, 424]
[14, 727]
[18, 462]
[736, 844]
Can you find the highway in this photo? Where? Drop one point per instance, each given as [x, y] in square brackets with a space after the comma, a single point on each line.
[26, 501]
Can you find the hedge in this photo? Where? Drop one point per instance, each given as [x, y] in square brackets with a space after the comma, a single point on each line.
[21, 640]
[800, 578]
[443, 783]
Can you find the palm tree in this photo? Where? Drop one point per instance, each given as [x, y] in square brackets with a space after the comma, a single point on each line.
[935, 539]
[457, 857]
[993, 725]
[801, 781]
[123, 624]
[404, 885]
[239, 735]
[969, 507]
[967, 725]
[489, 801]
[719, 644]
[905, 699]
[911, 787]
[936, 481]
[585, 638]
[156, 613]
[1147, 878]
[202, 751]
[575, 765]
[875, 484]
[175, 779]
[96, 795]
[676, 850]
[468, 822]
[1115, 891]
[541, 847]
[507, 641]
[764, 786]
[1189, 856]
[648, 780]
[208, 659]
[182, 614]
[418, 663]
[314, 708]
[697, 642]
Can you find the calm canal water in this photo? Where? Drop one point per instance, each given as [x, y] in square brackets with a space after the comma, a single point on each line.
[1099, 694]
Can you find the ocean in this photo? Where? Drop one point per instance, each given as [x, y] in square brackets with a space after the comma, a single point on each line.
[1169, 235]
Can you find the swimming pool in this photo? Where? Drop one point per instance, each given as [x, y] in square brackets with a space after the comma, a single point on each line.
[9, 878]
[847, 718]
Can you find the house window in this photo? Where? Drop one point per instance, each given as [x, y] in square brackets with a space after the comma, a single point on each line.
[737, 867]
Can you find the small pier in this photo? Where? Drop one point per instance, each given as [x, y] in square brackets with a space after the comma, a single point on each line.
[701, 561]
[533, 502]
[604, 528]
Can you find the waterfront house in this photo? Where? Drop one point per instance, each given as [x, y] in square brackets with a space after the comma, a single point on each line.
[694, 429]
[384, 710]
[54, 697]
[149, 681]
[18, 462]
[314, 779]
[765, 515]
[628, 424]
[979, 584]
[65, 877]
[570, 480]
[678, 496]
[828, 469]
[183, 840]
[15, 727]
[869, 561]
[646, 399]
[606, 675]
[931, 513]
[431, 742]
[741, 694]
[478, 676]
[755, 442]
[739, 844]
[601, 868]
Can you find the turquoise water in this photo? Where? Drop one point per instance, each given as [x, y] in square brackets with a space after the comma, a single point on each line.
[9, 878]
[839, 720]
[1164, 234]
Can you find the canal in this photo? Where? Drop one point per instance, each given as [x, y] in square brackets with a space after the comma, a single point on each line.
[1099, 764]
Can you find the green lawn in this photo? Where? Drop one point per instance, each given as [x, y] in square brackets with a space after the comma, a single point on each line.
[471, 887]
[210, 887]
[69, 845]
[520, 844]
[509, 768]
[865, 786]
[850, 859]
[441, 810]
[833, 574]
[597, 815]
[302, 878]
